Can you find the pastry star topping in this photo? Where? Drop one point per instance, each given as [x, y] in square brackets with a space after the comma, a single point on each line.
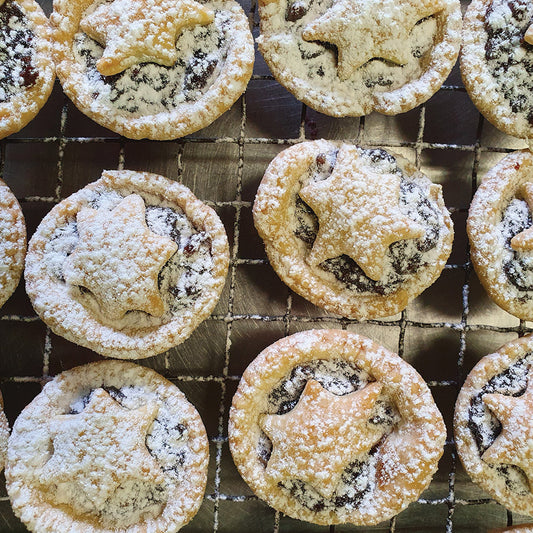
[514, 445]
[134, 31]
[100, 448]
[118, 258]
[358, 213]
[321, 436]
[523, 242]
[367, 29]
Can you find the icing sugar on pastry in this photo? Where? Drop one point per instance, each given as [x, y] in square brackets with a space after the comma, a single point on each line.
[381, 33]
[357, 231]
[159, 69]
[328, 427]
[127, 266]
[108, 446]
[144, 30]
[123, 276]
[351, 57]
[358, 214]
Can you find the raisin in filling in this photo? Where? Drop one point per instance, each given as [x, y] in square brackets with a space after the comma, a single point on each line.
[404, 258]
[509, 57]
[16, 52]
[151, 88]
[517, 265]
[485, 427]
[338, 377]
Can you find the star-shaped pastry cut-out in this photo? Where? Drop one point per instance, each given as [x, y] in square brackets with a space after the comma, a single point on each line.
[523, 242]
[358, 214]
[135, 31]
[118, 259]
[321, 436]
[366, 29]
[100, 448]
[514, 445]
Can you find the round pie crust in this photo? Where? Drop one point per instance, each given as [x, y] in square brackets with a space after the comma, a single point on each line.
[281, 44]
[12, 242]
[186, 117]
[481, 473]
[418, 440]
[22, 107]
[273, 209]
[61, 308]
[30, 448]
[498, 188]
[484, 90]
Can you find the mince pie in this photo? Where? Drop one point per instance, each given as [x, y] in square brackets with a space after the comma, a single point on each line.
[157, 69]
[501, 237]
[12, 242]
[357, 231]
[128, 266]
[493, 425]
[105, 447]
[351, 57]
[497, 62]
[327, 426]
[27, 71]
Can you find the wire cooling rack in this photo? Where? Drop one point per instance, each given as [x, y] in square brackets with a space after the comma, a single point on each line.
[443, 333]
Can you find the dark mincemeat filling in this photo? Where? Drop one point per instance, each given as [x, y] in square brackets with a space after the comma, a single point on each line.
[517, 266]
[509, 57]
[339, 377]
[485, 427]
[189, 78]
[16, 52]
[297, 9]
[405, 259]
[189, 287]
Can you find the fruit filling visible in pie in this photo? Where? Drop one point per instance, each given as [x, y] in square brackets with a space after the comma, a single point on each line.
[486, 428]
[404, 257]
[509, 57]
[150, 88]
[339, 379]
[16, 52]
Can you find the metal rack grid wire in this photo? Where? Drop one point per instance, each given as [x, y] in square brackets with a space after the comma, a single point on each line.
[443, 333]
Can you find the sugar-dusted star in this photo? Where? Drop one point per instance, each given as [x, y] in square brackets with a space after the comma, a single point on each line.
[321, 436]
[97, 450]
[118, 259]
[523, 242]
[514, 445]
[358, 214]
[135, 31]
[366, 29]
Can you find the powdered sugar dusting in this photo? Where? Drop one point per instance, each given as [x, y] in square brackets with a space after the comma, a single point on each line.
[309, 69]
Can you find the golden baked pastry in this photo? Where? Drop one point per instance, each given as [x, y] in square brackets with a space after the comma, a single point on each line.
[12, 242]
[128, 266]
[106, 447]
[27, 71]
[327, 426]
[351, 57]
[157, 69]
[499, 229]
[493, 425]
[357, 231]
[496, 60]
